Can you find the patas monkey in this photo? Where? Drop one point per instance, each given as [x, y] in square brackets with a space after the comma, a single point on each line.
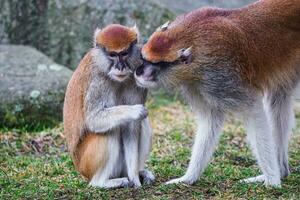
[105, 121]
[244, 61]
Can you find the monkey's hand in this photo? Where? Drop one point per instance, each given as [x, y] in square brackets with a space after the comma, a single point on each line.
[101, 120]
[138, 112]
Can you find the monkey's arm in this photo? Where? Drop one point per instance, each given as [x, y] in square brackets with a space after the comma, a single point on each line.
[101, 120]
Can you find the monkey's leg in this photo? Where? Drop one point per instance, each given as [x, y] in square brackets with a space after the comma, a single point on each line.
[209, 129]
[113, 167]
[282, 119]
[130, 138]
[262, 142]
[145, 144]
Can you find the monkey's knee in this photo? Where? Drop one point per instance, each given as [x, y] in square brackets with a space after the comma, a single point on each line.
[92, 155]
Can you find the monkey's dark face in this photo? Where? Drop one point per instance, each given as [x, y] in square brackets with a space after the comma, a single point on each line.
[150, 74]
[123, 63]
[165, 59]
[120, 69]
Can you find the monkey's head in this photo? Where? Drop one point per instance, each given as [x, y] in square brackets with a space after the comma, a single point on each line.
[116, 49]
[166, 58]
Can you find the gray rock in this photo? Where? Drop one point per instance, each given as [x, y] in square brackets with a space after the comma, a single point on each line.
[32, 87]
[63, 29]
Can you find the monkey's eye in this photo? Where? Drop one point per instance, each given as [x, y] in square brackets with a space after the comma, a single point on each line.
[124, 53]
[112, 54]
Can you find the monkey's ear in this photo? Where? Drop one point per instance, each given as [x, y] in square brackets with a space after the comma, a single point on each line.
[163, 27]
[136, 30]
[97, 31]
[185, 55]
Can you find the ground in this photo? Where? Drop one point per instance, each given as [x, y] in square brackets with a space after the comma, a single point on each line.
[35, 164]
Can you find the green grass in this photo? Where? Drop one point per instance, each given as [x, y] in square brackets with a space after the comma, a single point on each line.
[36, 165]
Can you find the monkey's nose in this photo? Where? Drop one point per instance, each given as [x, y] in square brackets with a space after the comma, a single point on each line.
[147, 72]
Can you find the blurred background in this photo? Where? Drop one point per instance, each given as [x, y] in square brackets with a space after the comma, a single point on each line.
[42, 42]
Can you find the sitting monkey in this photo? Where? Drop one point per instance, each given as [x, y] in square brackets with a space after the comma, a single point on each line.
[105, 121]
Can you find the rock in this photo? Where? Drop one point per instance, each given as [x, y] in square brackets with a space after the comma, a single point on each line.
[32, 87]
[182, 6]
[63, 29]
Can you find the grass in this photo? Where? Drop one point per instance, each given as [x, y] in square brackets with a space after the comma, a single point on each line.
[36, 165]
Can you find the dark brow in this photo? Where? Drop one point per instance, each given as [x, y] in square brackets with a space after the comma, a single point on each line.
[163, 64]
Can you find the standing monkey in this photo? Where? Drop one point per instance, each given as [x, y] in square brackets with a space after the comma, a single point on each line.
[244, 61]
[105, 121]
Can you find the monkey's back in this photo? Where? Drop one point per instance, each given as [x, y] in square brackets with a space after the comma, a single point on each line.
[271, 31]
[73, 112]
[261, 42]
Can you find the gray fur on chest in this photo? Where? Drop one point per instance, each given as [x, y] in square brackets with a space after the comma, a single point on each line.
[130, 94]
[104, 92]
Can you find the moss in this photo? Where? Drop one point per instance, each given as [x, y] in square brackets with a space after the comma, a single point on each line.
[33, 112]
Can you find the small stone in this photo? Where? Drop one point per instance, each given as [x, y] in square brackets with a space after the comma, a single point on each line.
[35, 94]
[55, 67]
[18, 108]
[42, 67]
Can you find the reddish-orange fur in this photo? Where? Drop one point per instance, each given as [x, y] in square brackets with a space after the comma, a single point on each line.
[92, 154]
[81, 143]
[116, 38]
[160, 48]
[262, 41]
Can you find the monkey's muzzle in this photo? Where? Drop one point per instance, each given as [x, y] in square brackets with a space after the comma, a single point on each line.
[145, 75]
[119, 74]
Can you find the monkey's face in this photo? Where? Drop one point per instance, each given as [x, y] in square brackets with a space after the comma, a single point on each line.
[166, 58]
[151, 75]
[118, 46]
[165, 61]
[123, 63]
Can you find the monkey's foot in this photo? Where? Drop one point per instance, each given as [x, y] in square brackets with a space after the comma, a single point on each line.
[135, 182]
[180, 180]
[147, 177]
[112, 183]
[274, 182]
